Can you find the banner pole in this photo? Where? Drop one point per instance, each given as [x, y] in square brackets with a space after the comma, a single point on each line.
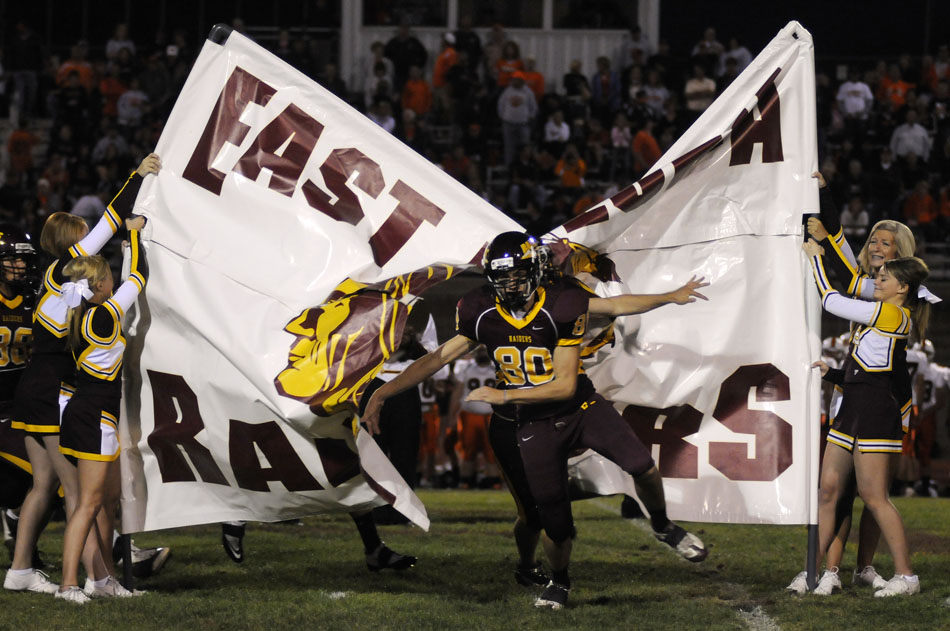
[125, 543]
[811, 565]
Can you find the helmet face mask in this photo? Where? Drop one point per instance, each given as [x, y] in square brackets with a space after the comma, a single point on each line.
[513, 266]
[17, 260]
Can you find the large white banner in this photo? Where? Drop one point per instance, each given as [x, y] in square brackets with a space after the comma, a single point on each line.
[276, 206]
[723, 390]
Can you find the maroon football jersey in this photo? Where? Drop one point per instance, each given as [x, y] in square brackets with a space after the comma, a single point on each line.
[522, 348]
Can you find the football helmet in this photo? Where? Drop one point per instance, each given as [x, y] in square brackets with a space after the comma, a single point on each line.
[18, 267]
[514, 265]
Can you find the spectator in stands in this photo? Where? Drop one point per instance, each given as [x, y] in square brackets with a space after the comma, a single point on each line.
[590, 198]
[893, 88]
[645, 148]
[635, 49]
[671, 67]
[577, 92]
[462, 83]
[729, 74]
[111, 88]
[468, 41]
[77, 63]
[131, 107]
[370, 68]
[911, 137]
[493, 47]
[523, 178]
[708, 53]
[72, 103]
[920, 209]
[656, 93]
[631, 83]
[556, 133]
[855, 102]
[377, 86]
[939, 70]
[533, 79]
[417, 94]
[112, 139]
[447, 58]
[699, 92]
[509, 63]
[381, 113]
[458, 165]
[912, 171]
[855, 219]
[155, 81]
[517, 110]
[24, 59]
[605, 91]
[332, 81]
[740, 53]
[20, 145]
[571, 169]
[621, 141]
[596, 148]
[91, 206]
[405, 51]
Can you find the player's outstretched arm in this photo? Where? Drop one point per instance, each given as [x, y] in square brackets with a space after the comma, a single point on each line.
[417, 372]
[561, 386]
[630, 304]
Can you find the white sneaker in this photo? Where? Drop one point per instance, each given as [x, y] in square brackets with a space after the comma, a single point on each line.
[799, 584]
[828, 584]
[35, 581]
[899, 586]
[686, 544]
[112, 589]
[868, 576]
[72, 594]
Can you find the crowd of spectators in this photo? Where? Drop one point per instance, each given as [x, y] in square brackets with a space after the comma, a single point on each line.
[540, 148]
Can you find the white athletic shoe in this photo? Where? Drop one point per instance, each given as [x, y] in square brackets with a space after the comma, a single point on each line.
[686, 544]
[35, 581]
[72, 594]
[828, 584]
[799, 584]
[112, 589]
[899, 586]
[868, 576]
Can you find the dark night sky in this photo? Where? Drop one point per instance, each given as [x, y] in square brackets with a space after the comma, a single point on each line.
[848, 28]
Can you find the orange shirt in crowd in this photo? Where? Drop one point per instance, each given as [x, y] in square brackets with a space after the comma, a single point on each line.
[646, 151]
[896, 91]
[535, 82]
[506, 68]
[572, 175]
[446, 59]
[920, 209]
[20, 148]
[82, 68]
[111, 89]
[417, 96]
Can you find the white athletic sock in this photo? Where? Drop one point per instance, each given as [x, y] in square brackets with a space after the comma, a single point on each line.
[102, 583]
[911, 578]
[12, 515]
[28, 570]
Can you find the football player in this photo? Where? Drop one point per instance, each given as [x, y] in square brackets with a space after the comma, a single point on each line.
[544, 406]
[18, 281]
[473, 417]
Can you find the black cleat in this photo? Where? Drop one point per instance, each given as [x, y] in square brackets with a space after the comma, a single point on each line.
[384, 558]
[532, 576]
[232, 538]
[554, 596]
[686, 544]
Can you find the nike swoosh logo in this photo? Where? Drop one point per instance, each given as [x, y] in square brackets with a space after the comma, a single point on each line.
[527, 438]
[537, 328]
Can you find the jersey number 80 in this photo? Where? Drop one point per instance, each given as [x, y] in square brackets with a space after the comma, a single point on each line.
[532, 365]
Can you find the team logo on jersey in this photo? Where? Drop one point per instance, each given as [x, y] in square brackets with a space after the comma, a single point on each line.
[341, 345]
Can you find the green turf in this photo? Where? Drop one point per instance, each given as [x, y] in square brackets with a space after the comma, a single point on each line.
[313, 576]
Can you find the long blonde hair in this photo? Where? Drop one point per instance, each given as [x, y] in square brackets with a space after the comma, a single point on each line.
[903, 238]
[61, 232]
[912, 271]
[94, 269]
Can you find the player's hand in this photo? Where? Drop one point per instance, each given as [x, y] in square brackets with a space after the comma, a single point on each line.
[687, 293]
[812, 248]
[822, 366]
[151, 164]
[136, 222]
[816, 228]
[370, 416]
[487, 394]
[821, 179]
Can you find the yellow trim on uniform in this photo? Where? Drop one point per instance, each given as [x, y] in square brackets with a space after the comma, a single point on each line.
[113, 218]
[11, 304]
[570, 341]
[35, 429]
[76, 251]
[522, 323]
[134, 248]
[105, 417]
[82, 455]
[88, 333]
[18, 462]
[890, 318]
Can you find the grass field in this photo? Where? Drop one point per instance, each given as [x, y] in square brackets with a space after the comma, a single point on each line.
[313, 576]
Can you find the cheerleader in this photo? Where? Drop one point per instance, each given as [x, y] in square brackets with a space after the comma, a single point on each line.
[869, 426]
[37, 399]
[89, 433]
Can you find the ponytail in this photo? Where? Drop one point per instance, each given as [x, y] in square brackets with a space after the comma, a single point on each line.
[912, 271]
[93, 270]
